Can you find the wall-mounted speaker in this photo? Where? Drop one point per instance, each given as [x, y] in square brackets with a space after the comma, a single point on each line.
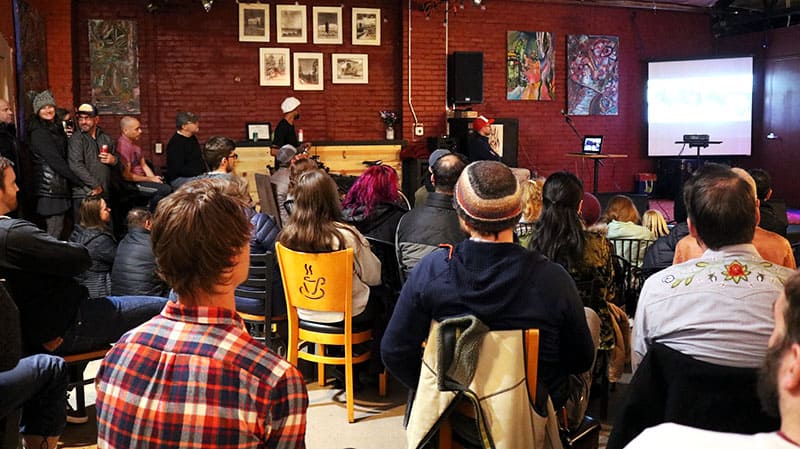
[465, 77]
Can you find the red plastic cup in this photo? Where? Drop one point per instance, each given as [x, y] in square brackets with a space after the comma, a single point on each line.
[104, 149]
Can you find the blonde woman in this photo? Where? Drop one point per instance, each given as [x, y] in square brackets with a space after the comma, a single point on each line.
[531, 199]
[655, 222]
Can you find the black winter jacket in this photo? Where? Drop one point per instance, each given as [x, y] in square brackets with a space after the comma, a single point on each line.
[51, 173]
[134, 271]
[660, 254]
[102, 249]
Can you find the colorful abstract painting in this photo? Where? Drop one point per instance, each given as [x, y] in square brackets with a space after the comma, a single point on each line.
[114, 66]
[530, 66]
[593, 81]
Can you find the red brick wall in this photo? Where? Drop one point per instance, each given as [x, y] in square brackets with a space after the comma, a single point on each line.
[57, 15]
[7, 21]
[544, 137]
[192, 60]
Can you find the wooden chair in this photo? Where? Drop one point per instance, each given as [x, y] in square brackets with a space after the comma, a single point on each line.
[267, 199]
[322, 282]
[254, 299]
[76, 365]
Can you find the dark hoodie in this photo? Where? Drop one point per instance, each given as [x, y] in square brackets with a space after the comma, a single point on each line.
[380, 223]
[506, 287]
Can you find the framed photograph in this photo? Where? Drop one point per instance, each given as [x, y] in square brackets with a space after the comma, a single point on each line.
[366, 26]
[273, 67]
[350, 68]
[327, 24]
[291, 26]
[253, 22]
[308, 71]
[258, 131]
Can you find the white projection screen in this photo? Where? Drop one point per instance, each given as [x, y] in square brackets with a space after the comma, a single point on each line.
[701, 96]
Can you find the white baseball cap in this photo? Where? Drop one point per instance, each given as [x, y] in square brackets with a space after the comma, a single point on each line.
[290, 104]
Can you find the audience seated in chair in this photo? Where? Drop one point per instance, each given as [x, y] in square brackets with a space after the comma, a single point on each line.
[531, 198]
[623, 223]
[34, 384]
[497, 281]
[659, 255]
[716, 309]
[373, 204]
[94, 232]
[301, 163]
[778, 389]
[769, 245]
[772, 212]
[135, 169]
[134, 271]
[433, 222]
[193, 373]
[655, 222]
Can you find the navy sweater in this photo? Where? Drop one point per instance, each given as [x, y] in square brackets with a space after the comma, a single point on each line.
[506, 287]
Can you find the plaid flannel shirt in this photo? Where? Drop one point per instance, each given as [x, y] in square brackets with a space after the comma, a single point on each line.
[192, 377]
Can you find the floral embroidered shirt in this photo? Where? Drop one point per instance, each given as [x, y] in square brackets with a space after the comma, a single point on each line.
[717, 308]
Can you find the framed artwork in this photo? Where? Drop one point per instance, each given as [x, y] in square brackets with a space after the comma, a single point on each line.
[593, 79]
[258, 131]
[308, 71]
[366, 26]
[114, 66]
[530, 66]
[273, 67]
[327, 24]
[291, 24]
[496, 138]
[350, 68]
[253, 22]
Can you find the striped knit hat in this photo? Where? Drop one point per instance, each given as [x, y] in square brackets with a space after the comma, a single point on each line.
[487, 197]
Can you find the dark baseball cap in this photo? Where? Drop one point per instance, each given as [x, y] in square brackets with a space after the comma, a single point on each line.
[86, 109]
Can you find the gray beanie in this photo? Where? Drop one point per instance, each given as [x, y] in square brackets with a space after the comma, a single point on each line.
[43, 99]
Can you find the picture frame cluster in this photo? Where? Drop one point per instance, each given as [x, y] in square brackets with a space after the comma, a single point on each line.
[291, 27]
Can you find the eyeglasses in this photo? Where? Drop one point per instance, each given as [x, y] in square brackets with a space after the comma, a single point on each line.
[234, 155]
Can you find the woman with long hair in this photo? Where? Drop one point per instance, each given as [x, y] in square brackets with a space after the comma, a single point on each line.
[531, 199]
[559, 234]
[316, 226]
[299, 164]
[52, 175]
[655, 222]
[623, 222]
[373, 203]
[94, 232]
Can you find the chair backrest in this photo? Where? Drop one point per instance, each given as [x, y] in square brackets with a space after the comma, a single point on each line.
[267, 198]
[258, 284]
[317, 281]
[390, 270]
[669, 386]
[631, 250]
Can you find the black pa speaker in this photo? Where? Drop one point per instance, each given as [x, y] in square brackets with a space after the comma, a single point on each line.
[465, 77]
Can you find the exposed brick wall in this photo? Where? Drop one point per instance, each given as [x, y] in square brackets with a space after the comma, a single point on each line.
[192, 60]
[544, 137]
[57, 15]
[7, 21]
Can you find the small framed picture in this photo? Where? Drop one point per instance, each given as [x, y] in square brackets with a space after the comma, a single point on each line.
[273, 67]
[258, 131]
[253, 22]
[308, 71]
[350, 68]
[327, 24]
[291, 23]
[366, 26]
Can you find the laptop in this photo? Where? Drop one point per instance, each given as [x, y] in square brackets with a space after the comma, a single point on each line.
[592, 144]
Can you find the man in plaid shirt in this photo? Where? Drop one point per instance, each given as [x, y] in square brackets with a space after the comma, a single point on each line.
[192, 377]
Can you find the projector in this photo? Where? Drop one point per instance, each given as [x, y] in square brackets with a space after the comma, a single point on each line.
[696, 139]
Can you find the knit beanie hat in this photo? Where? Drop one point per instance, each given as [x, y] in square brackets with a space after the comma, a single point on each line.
[43, 99]
[487, 197]
[590, 211]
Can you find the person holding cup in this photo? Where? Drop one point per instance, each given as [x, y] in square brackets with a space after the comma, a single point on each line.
[92, 157]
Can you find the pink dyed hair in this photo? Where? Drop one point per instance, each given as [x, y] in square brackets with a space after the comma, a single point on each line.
[378, 184]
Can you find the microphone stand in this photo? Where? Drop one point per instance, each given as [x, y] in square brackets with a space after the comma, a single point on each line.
[568, 119]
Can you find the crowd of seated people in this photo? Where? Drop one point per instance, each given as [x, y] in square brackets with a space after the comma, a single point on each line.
[80, 295]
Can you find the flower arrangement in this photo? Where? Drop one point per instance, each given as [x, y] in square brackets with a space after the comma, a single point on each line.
[389, 117]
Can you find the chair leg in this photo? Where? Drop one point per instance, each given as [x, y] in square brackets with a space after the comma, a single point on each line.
[382, 377]
[348, 377]
[321, 366]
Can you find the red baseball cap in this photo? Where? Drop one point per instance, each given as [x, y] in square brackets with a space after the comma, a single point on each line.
[480, 122]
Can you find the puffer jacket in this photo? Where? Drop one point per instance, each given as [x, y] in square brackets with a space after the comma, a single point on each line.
[134, 270]
[380, 223]
[51, 173]
[264, 232]
[102, 249]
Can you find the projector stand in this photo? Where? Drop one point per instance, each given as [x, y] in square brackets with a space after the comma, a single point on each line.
[697, 142]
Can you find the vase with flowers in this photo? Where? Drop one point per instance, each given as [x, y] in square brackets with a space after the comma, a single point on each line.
[389, 119]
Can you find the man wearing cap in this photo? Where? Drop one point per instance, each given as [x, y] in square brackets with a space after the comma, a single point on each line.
[285, 134]
[424, 228]
[478, 148]
[184, 156]
[499, 282]
[92, 157]
[134, 165]
[281, 177]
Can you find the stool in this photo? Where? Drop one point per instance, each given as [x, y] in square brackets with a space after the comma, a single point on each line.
[76, 364]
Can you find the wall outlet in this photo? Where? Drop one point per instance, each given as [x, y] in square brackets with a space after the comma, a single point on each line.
[419, 129]
[159, 148]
